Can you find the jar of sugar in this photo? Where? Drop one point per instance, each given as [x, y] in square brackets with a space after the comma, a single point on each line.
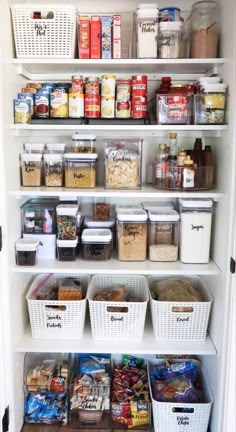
[195, 230]
[147, 30]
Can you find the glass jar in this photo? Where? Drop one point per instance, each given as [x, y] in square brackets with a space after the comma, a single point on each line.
[163, 235]
[66, 249]
[195, 230]
[67, 221]
[31, 169]
[53, 169]
[204, 29]
[83, 143]
[26, 251]
[80, 170]
[123, 161]
[147, 30]
[101, 209]
[169, 39]
[132, 235]
[96, 244]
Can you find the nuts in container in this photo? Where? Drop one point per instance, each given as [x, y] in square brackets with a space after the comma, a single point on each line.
[123, 164]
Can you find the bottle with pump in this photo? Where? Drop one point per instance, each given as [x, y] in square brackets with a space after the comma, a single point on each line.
[188, 181]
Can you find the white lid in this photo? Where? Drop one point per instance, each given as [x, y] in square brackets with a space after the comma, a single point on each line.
[150, 205]
[208, 87]
[90, 223]
[53, 157]
[31, 157]
[26, 244]
[67, 243]
[34, 146]
[129, 207]
[83, 137]
[96, 235]
[148, 13]
[213, 80]
[163, 216]
[147, 6]
[67, 209]
[29, 213]
[56, 146]
[196, 203]
[81, 156]
[132, 216]
[170, 25]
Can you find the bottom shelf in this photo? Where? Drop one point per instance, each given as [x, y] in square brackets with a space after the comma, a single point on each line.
[149, 345]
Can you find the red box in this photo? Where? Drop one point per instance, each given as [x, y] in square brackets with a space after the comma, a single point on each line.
[116, 51]
[95, 38]
[84, 37]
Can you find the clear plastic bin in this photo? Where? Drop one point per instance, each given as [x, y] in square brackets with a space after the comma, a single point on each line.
[53, 170]
[80, 170]
[123, 164]
[163, 235]
[97, 244]
[39, 216]
[31, 169]
[132, 235]
[66, 221]
[210, 108]
[174, 108]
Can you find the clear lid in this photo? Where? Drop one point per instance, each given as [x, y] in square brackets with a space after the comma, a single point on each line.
[27, 245]
[81, 156]
[163, 216]
[129, 207]
[149, 205]
[53, 157]
[170, 25]
[67, 243]
[56, 147]
[132, 216]
[90, 235]
[35, 147]
[67, 209]
[83, 137]
[90, 223]
[196, 203]
[31, 157]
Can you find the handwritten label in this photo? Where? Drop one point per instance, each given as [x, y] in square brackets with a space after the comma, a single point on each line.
[197, 227]
[40, 29]
[148, 27]
[30, 167]
[117, 319]
[54, 321]
[182, 319]
[183, 420]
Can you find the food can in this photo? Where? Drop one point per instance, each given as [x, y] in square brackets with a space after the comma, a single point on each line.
[48, 88]
[108, 86]
[77, 84]
[42, 99]
[139, 85]
[123, 109]
[59, 103]
[61, 89]
[107, 107]
[92, 104]
[30, 97]
[123, 90]
[139, 107]
[76, 104]
[22, 111]
[34, 85]
[29, 90]
[92, 86]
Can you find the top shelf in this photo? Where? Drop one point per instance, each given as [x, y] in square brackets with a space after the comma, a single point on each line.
[40, 69]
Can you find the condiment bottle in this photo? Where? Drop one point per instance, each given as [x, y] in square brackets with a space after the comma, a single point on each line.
[208, 166]
[174, 149]
[165, 85]
[160, 161]
[181, 156]
[197, 156]
[188, 181]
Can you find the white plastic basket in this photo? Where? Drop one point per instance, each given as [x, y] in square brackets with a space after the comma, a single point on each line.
[48, 322]
[179, 417]
[169, 320]
[115, 325]
[44, 38]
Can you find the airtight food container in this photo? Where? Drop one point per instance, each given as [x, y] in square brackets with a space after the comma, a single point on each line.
[53, 169]
[26, 250]
[210, 104]
[66, 249]
[80, 170]
[31, 169]
[163, 235]
[67, 215]
[96, 244]
[132, 235]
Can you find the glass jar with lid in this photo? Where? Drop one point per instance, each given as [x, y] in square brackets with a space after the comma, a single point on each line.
[204, 29]
[132, 235]
[163, 235]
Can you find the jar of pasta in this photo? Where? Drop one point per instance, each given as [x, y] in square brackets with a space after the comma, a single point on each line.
[132, 235]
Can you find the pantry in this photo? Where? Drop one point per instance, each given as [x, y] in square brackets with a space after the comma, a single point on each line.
[219, 134]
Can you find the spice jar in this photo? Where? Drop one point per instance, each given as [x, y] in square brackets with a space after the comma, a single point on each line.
[163, 235]
[66, 249]
[101, 209]
[195, 230]
[53, 169]
[170, 39]
[132, 235]
[80, 170]
[26, 251]
[204, 29]
[97, 244]
[31, 169]
[66, 221]
[147, 30]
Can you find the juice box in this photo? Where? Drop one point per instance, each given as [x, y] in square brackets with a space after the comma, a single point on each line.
[84, 37]
[95, 38]
[106, 26]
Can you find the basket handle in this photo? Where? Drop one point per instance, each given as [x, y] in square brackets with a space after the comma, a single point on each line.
[182, 309]
[117, 309]
[55, 308]
[37, 11]
[184, 410]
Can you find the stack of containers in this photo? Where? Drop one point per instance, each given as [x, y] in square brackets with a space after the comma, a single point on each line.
[68, 224]
[210, 103]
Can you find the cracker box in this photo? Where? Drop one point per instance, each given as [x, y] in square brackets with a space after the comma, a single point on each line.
[95, 38]
[106, 26]
[116, 44]
[84, 37]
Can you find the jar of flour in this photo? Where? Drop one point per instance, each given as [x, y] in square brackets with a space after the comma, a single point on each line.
[147, 30]
[195, 230]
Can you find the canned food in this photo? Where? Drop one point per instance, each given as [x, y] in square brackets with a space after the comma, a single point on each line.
[30, 97]
[34, 85]
[48, 88]
[108, 86]
[139, 85]
[61, 89]
[123, 109]
[77, 84]
[92, 105]
[139, 107]
[59, 104]
[22, 111]
[107, 107]
[42, 99]
[29, 90]
[76, 104]
[123, 90]
[92, 86]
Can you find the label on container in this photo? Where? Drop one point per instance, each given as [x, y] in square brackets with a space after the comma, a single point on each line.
[188, 178]
[123, 109]
[177, 107]
[22, 111]
[92, 106]
[42, 105]
[107, 107]
[59, 104]
[139, 107]
[76, 105]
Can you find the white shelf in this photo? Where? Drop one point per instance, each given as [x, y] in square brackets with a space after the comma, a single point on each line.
[54, 69]
[149, 345]
[147, 191]
[114, 266]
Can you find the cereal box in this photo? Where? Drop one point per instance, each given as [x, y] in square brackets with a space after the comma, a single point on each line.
[116, 44]
[84, 37]
[106, 25]
[95, 33]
